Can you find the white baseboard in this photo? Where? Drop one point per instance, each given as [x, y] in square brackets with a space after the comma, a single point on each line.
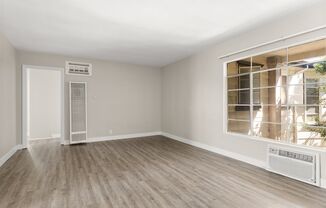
[9, 154]
[117, 137]
[124, 136]
[54, 136]
[223, 152]
[20, 146]
[323, 183]
[36, 139]
[65, 142]
[57, 135]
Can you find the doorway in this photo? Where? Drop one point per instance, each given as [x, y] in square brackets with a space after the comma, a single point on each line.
[43, 104]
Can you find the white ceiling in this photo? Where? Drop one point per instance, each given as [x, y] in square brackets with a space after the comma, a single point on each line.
[148, 32]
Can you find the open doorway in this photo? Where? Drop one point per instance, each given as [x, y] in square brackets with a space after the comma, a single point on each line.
[43, 99]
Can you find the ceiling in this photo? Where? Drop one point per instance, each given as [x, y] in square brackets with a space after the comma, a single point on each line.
[146, 32]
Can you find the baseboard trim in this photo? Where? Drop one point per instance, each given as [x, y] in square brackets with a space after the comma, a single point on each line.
[65, 142]
[37, 139]
[20, 146]
[117, 137]
[124, 136]
[9, 154]
[223, 152]
[323, 183]
[55, 135]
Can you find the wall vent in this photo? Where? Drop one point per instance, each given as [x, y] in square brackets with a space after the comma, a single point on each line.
[77, 68]
[293, 163]
[78, 112]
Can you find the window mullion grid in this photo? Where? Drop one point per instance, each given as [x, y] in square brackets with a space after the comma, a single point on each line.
[288, 124]
[305, 96]
[251, 99]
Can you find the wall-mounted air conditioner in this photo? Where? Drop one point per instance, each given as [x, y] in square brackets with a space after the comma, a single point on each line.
[293, 163]
[77, 68]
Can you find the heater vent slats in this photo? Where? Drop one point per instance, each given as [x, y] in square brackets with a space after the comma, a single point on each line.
[78, 112]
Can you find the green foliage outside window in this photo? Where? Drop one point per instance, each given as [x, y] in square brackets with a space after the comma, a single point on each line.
[320, 67]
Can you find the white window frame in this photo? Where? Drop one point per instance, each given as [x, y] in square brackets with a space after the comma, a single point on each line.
[225, 96]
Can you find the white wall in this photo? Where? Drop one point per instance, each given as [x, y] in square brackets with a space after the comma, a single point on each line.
[7, 96]
[44, 103]
[193, 91]
[123, 98]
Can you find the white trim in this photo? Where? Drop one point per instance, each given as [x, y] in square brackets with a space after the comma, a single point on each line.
[56, 135]
[124, 136]
[273, 49]
[223, 152]
[66, 142]
[44, 138]
[9, 154]
[20, 146]
[273, 41]
[323, 183]
[24, 100]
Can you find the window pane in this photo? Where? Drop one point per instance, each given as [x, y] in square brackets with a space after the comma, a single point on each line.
[239, 97]
[242, 127]
[270, 131]
[275, 114]
[296, 114]
[296, 94]
[275, 59]
[307, 53]
[308, 135]
[239, 112]
[316, 73]
[274, 96]
[307, 115]
[239, 82]
[301, 74]
[239, 67]
[296, 75]
[289, 103]
[312, 115]
[312, 95]
[269, 78]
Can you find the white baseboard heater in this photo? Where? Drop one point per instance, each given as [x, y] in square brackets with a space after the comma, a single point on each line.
[296, 164]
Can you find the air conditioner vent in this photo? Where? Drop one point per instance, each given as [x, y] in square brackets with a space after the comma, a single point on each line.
[291, 154]
[77, 68]
[297, 164]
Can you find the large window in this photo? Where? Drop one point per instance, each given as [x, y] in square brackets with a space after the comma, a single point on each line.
[280, 95]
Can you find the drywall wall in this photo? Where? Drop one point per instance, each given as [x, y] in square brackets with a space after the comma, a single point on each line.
[193, 94]
[44, 103]
[7, 96]
[123, 98]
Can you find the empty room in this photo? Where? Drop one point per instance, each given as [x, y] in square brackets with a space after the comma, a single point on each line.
[159, 104]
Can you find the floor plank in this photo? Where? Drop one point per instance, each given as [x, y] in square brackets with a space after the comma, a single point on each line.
[144, 172]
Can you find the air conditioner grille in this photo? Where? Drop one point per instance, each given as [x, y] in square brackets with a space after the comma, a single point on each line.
[298, 164]
[76, 68]
[297, 156]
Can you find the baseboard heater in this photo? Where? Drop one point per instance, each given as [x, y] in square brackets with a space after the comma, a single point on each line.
[293, 163]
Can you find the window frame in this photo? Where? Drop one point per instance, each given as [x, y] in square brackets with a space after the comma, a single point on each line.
[236, 57]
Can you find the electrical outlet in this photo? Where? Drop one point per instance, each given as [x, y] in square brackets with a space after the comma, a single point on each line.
[110, 131]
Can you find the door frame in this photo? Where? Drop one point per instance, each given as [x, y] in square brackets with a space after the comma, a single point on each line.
[24, 101]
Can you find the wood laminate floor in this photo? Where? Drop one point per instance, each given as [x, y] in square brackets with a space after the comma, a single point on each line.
[144, 172]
